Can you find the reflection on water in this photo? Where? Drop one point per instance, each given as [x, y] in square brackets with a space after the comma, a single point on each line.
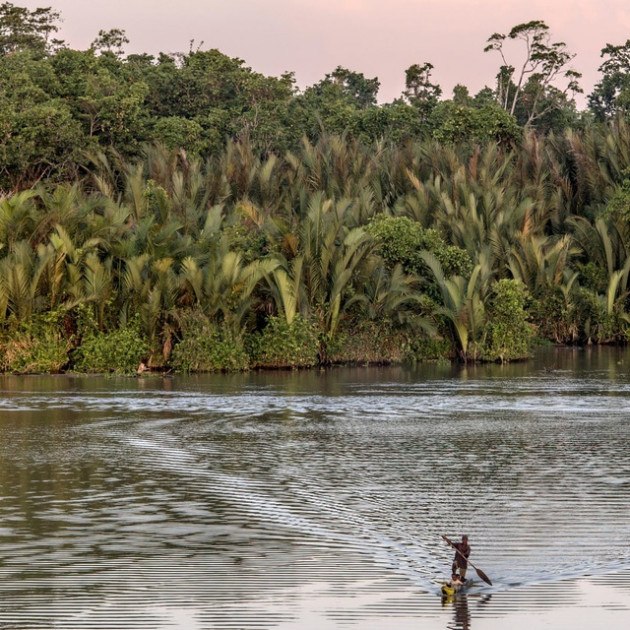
[317, 499]
[461, 611]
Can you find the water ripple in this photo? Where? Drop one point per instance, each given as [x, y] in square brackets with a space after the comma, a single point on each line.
[316, 500]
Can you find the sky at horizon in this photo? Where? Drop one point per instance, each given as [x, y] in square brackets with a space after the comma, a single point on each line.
[376, 37]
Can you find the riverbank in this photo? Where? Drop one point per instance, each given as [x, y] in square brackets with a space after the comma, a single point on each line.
[204, 347]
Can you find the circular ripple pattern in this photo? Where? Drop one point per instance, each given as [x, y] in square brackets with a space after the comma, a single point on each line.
[317, 500]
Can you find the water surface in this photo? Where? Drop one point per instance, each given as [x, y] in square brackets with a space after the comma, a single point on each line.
[317, 499]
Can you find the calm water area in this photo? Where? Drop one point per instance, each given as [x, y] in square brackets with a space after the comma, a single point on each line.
[317, 499]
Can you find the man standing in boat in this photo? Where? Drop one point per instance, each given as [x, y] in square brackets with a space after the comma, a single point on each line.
[462, 551]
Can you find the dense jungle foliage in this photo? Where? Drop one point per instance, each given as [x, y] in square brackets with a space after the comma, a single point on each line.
[187, 213]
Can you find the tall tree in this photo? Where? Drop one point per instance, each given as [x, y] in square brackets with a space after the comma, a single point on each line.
[112, 41]
[21, 29]
[419, 90]
[612, 94]
[532, 84]
[360, 90]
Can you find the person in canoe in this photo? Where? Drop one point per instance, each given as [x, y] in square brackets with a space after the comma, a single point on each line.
[450, 588]
[456, 582]
[460, 561]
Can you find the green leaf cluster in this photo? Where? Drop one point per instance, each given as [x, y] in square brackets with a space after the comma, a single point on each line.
[120, 351]
[36, 345]
[509, 334]
[401, 241]
[207, 347]
[282, 345]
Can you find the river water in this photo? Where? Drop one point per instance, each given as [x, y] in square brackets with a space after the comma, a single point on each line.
[317, 499]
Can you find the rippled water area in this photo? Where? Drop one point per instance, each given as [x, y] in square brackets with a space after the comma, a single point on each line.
[317, 500]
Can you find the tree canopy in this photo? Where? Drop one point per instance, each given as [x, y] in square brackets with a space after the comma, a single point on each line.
[76, 102]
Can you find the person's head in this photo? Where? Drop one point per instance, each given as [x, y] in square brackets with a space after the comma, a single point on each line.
[465, 539]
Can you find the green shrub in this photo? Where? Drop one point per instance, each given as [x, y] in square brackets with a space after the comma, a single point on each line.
[509, 335]
[401, 241]
[120, 351]
[554, 316]
[424, 348]
[285, 345]
[488, 123]
[24, 353]
[371, 343]
[38, 346]
[206, 347]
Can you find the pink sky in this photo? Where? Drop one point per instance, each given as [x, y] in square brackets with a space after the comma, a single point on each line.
[376, 37]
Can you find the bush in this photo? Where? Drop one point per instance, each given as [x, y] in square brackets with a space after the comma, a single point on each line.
[285, 345]
[24, 353]
[509, 334]
[425, 348]
[371, 342]
[488, 123]
[36, 347]
[120, 351]
[401, 241]
[206, 347]
[555, 316]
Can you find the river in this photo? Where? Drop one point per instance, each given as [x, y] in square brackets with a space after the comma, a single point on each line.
[317, 499]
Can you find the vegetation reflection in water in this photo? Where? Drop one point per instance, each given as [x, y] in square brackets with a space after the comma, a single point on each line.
[317, 499]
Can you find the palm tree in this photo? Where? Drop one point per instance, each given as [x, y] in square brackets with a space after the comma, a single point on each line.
[285, 280]
[462, 306]
[332, 252]
[601, 243]
[222, 286]
[540, 262]
[18, 217]
[21, 271]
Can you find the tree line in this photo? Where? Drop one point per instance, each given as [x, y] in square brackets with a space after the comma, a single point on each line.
[58, 104]
[186, 212]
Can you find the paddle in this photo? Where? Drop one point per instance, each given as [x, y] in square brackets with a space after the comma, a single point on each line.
[480, 573]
